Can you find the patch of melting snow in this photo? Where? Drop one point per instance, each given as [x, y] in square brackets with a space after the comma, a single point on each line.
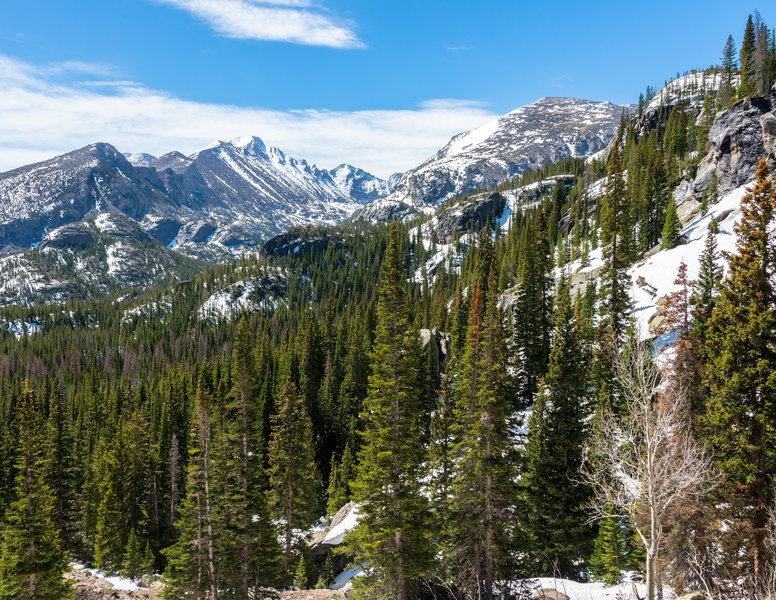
[119, 583]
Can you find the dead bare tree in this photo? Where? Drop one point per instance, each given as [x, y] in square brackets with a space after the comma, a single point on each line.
[642, 462]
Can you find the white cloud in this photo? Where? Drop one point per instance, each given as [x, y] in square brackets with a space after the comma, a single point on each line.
[275, 20]
[40, 119]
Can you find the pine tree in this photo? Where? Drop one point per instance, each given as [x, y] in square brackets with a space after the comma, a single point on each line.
[671, 227]
[138, 558]
[31, 563]
[295, 487]
[392, 535]
[192, 563]
[742, 364]
[335, 493]
[124, 490]
[613, 296]
[300, 577]
[729, 66]
[482, 487]
[441, 468]
[707, 287]
[532, 310]
[557, 434]
[609, 557]
[252, 533]
[747, 59]
[616, 236]
[62, 473]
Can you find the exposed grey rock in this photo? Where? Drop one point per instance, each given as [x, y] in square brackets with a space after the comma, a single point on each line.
[196, 232]
[440, 347]
[470, 214]
[297, 241]
[737, 143]
[768, 124]
[320, 535]
[164, 229]
[74, 235]
[234, 236]
[693, 596]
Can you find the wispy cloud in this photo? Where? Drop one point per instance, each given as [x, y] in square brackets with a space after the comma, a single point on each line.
[119, 83]
[457, 48]
[560, 82]
[40, 118]
[276, 20]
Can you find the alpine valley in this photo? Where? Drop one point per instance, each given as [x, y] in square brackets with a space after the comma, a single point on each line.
[540, 364]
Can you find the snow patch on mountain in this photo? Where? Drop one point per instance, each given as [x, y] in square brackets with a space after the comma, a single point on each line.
[691, 88]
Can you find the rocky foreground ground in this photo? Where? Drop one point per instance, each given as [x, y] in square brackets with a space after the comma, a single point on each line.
[89, 587]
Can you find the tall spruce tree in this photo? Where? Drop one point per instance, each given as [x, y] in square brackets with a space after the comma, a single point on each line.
[192, 563]
[551, 482]
[670, 236]
[62, 472]
[483, 485]
[613, 296]
[742, 366]
[392, 536]
[747, 61]
[729, 66]
[31, 563]
[707, 287]
[295, 484]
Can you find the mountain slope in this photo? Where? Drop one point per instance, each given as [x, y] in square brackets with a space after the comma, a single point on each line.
[543, 132]
[243, 189]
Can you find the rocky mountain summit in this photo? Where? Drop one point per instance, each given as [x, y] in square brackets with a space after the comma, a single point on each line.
[540, 133]
[230, 195]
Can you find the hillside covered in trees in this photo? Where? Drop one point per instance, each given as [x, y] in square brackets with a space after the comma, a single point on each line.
[477, 382]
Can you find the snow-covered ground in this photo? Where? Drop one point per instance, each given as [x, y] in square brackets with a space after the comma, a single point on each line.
[119, 583]
[20, 329]
[687, 88]
[659, 271]
[594, 590]
[343, 580]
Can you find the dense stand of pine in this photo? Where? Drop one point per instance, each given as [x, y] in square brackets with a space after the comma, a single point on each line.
[159, 441]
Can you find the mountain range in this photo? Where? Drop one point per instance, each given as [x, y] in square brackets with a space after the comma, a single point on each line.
[234, 193]
[229, 197]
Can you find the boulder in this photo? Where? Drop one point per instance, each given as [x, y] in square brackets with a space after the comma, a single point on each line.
[149, 580]
[548, 594]
[320, 534]
[656, 324]
[693, 596]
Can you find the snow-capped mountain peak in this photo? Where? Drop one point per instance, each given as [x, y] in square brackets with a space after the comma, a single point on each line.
[539, 133]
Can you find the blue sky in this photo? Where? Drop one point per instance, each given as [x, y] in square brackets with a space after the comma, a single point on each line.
[381, 84]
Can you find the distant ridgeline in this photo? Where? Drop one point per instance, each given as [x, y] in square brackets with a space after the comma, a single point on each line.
[451, 373]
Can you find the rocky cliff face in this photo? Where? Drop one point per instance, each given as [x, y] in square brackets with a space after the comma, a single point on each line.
[739, 138]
